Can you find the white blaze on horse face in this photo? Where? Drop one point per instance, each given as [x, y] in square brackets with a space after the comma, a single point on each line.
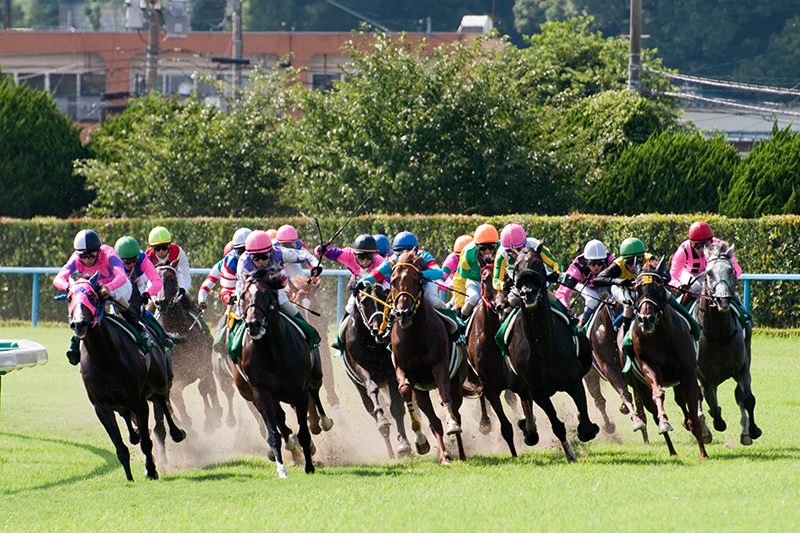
[253, 291]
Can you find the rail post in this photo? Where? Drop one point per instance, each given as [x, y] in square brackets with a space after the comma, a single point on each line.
[35, 301]
[339, 299]
[746, 296]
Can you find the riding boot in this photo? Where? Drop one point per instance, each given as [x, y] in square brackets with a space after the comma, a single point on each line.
[466, 311]
[74, 352]
[337, 343]
[585, 317]
[626, 324]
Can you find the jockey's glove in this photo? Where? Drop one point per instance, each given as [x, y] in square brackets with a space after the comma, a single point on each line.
[203, 306]
[145, 299]
[316, 271]
[321, 250]
[625, 283]
[364, 281]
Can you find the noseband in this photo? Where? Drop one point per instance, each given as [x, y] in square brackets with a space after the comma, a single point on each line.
[710, 290]
[417, 299]
[255, 304]
[647, 279]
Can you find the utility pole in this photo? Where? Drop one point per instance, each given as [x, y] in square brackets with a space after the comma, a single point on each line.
[236, 20]
[7, 15]
[635, 57]
[151, 70]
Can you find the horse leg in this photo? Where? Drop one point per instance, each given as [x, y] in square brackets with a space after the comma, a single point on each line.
[441, 375]
[558, 427]
[398, 413]
[424, 402]
[176, 395]
[710, 395]
[303, 434]
[485, 423]
[143, 419]
[506, 429]
[289, 439]
[640, 413]
[511, 400]
[405, 389]
[592, 381]
[747, 405]
[133, 433]
[225, 381]
[689, 388]
[680, 399]
[457, 393]
[369, 397]
[325, 422]
[327, 378]
[264, 403]
[614, 375]
[653, 379]
[207, 388]
[159, 430]
[528, 424]
[587, 430]
[109, 421]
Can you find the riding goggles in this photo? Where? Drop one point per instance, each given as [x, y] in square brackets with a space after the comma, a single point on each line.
[129, 260]
[261, 257]
[87, 255]
[161, 247]
[487, 247]
[631, 260]
[365, 255]
[597, 263]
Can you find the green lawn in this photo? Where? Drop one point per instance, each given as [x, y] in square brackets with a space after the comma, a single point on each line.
[58, 470]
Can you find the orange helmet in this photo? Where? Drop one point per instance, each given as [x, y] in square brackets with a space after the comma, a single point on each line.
[273, 233]
[461, 242]
[486, 234]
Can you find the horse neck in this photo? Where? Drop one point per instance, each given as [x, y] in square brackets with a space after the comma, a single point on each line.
[175, 317]
[538, 325]
[715, 321]
[103, 349]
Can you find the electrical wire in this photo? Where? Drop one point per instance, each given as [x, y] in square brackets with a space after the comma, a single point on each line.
[726, 84]
[729, 103]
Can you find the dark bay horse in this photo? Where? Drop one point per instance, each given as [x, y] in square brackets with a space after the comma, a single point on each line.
[277, 366]
[484, 354]
[724, 348]
[118, 377]
[304, 294]
[665, 352]
[191, 356]
[544, 357]
[422, 356]
[369, 364]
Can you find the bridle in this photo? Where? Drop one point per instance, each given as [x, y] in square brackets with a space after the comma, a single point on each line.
[377, 313]
[171, 302]
[266, 314]
[395, 297]
[710, 290]
[642, 280]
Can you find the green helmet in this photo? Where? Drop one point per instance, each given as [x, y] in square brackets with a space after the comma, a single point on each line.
[127, 246]
[631, 247]
[159, 235]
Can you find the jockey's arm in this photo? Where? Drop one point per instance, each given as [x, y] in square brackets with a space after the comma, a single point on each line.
[61, 281]
[209, 283]
[184, 275]
[678, 264]
[154, 280]
[608, 276]
[499, 273]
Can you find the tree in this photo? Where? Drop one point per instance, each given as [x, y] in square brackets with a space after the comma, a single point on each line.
[673, 172]
[767, 182]
[37, 147]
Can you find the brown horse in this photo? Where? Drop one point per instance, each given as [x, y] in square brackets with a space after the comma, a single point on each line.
[368, 362]
[422, 356]
[724, 348]
[304, 295]
[544, 356]
[484, 354]
[118, 377]
[191, 356]
[277, 366]
[665, 352]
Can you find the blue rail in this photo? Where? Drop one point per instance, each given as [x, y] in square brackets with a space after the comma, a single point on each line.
[342, 277]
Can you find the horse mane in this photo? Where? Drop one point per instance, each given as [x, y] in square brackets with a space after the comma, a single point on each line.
[718, 249]
[273, 280]
[410, 256]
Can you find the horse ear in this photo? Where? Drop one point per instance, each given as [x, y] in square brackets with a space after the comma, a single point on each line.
[637, 266]
[174, 264]
[660, 266]
[94, 280]
[540, 247]
[731, 252]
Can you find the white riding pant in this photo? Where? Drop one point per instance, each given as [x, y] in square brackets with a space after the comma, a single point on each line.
[473, 290]
[431, 291]
[591, 296]
[626, 298]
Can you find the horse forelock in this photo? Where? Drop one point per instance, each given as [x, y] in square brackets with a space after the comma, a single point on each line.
[718, 250]
[82, 292]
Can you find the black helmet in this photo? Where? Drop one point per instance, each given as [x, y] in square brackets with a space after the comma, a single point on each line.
[87, 240]
[365, 243]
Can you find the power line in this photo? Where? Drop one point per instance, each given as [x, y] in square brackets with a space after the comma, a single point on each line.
[729, 103]
[727, 84]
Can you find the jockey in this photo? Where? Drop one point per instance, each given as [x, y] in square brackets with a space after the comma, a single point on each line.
[512, 240]
[92, 257]
[212, 279]
[405, 240]
[273, 234]
[360, 260]
[474, 255]
[286, 237]
[138, 267]
[161, 249]
[260, 254]
[384, 246]
[689, 261]
[227, 273]
[450, 264]
[580, 275]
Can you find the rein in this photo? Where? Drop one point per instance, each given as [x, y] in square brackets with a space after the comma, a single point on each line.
[384, 314]
[416, 299]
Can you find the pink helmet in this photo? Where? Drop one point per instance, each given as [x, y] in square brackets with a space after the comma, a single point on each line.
[258, 242]
[513, 236]
[228, 248]
[287, 233]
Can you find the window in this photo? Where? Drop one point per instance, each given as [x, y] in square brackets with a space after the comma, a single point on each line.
[34, 81]
[93, 84]
[324, 82]
[64, 85]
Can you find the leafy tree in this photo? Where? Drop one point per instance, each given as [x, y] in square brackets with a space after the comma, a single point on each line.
[37, 147]
[767, 182]
[673, 172]
[208, 15]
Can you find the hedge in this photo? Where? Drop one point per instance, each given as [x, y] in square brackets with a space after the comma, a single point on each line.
[766, 245]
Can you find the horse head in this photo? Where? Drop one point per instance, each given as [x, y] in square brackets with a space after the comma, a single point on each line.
[260, 299]
[406, 287]
[492, 298]
[530, 277]
[369, 309]
[651, 294]
[85, 305]
[169, 294]
[720, 277]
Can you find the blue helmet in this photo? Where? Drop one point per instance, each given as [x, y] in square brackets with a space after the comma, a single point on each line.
[405, 240]
[384, 246]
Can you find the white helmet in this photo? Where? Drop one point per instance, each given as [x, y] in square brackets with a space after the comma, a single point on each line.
[240, 237]
[594, 250]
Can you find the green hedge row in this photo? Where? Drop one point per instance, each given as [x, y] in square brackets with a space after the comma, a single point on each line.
[765, 245]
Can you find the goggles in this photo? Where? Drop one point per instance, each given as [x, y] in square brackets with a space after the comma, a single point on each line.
[87, 255]
[130, 260]
[261, 257]
[365, 256]
[161, 247]
[597, 263]
[629, 261]
[487, 247]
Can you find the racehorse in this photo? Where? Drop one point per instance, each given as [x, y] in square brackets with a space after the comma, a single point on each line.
[484, 355]
[277, 366]
[191, 356]
[724, 348]
[665, 352]
[304, 295]
[422, 356]
[368, 362]
[118, 377]
[221, 367]
[544, 356]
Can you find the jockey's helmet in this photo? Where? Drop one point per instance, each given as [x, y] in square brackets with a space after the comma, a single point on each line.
[286, 234]
[595, 251]
[258, 242]
[240, 237]
[486, 234]
[87, 240]
[384, 246]
[365, 243]
[159, 235]
[228, 248]
[273, 233]
[461, 242]
[513, 236]
[700, 231]
[127, 246]
[631, 247]
[405, 240]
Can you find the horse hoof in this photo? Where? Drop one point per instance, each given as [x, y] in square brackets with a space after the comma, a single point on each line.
[453, 428]
[755, 432]
[637, 424]
[485, 427]
[720, 425]
[445, 461]
[663, 427]
[177, 436]
[623, 409]
[746, 440]
[327, 423]
[151, 475]
[310, 468]
[404, 449]
[134, 439]
[586, 436]
[291, 443]
[422, 444]
[270, 454]
[610, 428]
[383, 423]
[531, 439]
[282, 471]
